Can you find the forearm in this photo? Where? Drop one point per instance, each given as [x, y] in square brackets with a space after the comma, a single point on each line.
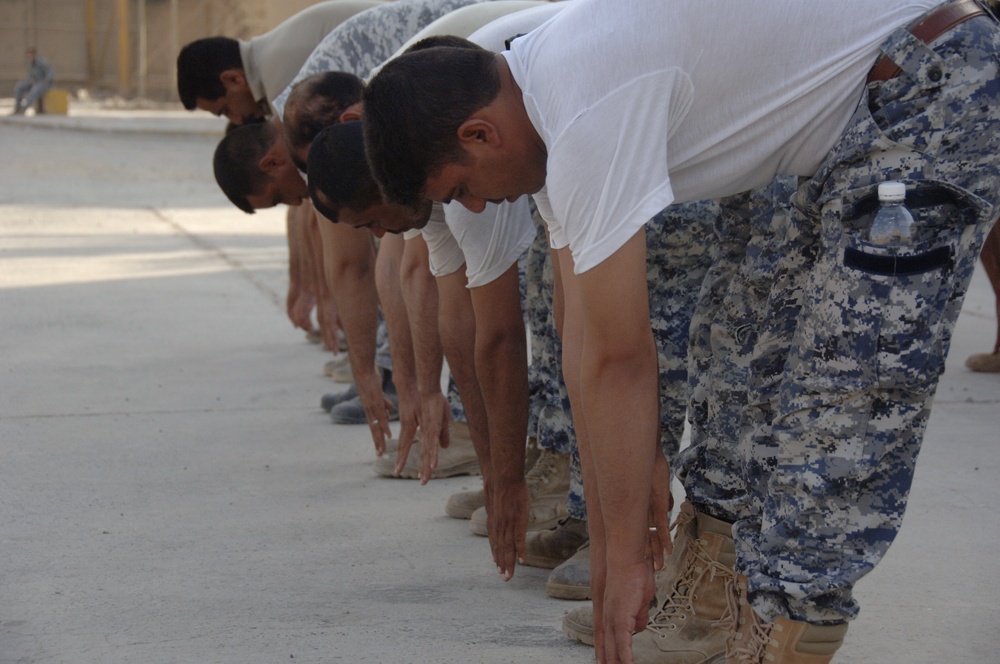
[293, 229]
[619, 395]
[420, 296]
[390, 255]
[502, 367]
[457, 325]
[349, 268]
[311, 250]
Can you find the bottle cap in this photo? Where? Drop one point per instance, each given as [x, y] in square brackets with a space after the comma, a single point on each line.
[891, 191]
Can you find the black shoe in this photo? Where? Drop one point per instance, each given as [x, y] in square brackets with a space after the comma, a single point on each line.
[352, 412]
[328, 401]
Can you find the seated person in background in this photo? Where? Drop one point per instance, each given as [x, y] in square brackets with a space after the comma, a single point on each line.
[40, 77]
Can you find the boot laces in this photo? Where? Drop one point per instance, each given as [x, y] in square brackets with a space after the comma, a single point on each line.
[541, 473]
[753, 642]
[697, 565]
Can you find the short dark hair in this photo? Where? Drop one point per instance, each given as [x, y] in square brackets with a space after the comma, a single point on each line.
[433, 41]
[200, 65]
[412, 111]
[314, 104]
[339, 176]
[236, 162]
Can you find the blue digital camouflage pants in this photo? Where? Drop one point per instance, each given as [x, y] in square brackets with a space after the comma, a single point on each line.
[852, 337]
[550, 419]
[679, 251]
[748, 235]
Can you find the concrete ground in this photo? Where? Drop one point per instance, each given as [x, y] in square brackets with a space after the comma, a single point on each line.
[170, 490]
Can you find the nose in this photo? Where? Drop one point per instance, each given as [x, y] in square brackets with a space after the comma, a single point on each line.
[473, 203]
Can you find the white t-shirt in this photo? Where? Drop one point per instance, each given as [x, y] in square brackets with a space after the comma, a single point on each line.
[463, 22]
[644, 103]
[494, 35]
[446, 256]
[491, 241]
[271, 60]
[487, 243]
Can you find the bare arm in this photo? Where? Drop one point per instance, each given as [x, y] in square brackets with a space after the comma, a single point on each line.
[326, 309]
[390, 255]
[457, 326]
[349, 266]
[301, 268]
[421, 299]
[502, 367]
[611, 370]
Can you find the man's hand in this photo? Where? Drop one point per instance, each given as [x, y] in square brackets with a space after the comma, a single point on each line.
[301, 312]
[508, 525]
[329, 326]
[376, 406]
[628, 592]
[434, 420]
[409, 423]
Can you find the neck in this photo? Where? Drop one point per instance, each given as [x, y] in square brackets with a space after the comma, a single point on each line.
[512, 98]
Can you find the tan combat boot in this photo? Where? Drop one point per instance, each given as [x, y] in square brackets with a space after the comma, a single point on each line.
[784, 641]
[579, 624]
[552, 547]
[459, 458]
[689, 625]
[548, 485]
[463, 505]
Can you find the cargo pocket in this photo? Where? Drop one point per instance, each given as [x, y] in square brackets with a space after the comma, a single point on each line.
[880, 317]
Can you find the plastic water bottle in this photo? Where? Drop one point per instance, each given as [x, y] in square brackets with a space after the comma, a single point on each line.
[892, 222]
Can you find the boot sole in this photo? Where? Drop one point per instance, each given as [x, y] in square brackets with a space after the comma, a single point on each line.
[342, 419]
[459, 511]
[479, 529]
[586, 638]
[566, 591]
[468, 468]
[543, 561]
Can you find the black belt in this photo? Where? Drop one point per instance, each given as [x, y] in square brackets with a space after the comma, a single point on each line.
[927, 29]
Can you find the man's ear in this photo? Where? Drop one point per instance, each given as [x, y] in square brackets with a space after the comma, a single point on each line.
[233, 78]
[478, 131]
[272, 162]
[351, 113]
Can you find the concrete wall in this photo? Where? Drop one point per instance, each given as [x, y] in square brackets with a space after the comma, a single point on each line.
[81, 38]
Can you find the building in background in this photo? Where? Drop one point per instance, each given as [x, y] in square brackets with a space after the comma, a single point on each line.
[123, 47]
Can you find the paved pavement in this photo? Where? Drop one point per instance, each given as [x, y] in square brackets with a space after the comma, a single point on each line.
[171, 492]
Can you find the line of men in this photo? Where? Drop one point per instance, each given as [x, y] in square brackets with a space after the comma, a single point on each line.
[755, 136]
[256, 169]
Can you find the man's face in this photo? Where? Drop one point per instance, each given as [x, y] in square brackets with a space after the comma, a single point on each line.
[237, 104]
[286, 187]
[238, 107]
[481, 178]
[386, 218]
